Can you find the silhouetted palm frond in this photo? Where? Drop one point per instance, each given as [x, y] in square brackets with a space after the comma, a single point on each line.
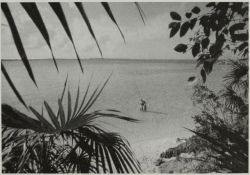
[237, 76]
[71, 142]
[233, 101]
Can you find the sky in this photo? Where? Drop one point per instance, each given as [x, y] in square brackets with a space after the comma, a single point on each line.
[150, 41]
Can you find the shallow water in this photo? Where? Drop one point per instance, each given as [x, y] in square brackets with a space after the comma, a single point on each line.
[160, 83]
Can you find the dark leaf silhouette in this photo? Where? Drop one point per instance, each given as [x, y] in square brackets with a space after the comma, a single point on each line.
[235, 27]
[175, 29]
[203, 75]
[204, 20]
[235, 76]
[12, 85]
[181, 48]
[196, 49]
[86, 19]
[240, 37]
[243, 11]
[225, 31]
[208, 67]
[220, 40]
[57, 8]
[172, 24]
[211, 4]
[17, 40]
[108, 10]
[207, 30]
[205, 43]
[175, 16]
[245, 52]
[243, 46]
[196, 10]
[188, 15]
[212, 49]
[201, 60]
[35, 15]
[184, 28]
[192, 23]
[141, 12]
[191, 79]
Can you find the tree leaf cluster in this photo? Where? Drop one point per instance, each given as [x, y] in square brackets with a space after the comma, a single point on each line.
[183, 26]
[227, 23]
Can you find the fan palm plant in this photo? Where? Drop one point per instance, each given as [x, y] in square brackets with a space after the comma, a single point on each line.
[70, 142]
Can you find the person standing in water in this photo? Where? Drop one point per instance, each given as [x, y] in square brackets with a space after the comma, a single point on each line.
[143, 105]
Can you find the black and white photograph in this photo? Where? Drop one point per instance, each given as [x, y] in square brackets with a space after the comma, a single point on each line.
[124, 87]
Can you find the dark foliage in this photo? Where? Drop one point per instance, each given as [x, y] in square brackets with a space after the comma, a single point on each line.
[227, 23]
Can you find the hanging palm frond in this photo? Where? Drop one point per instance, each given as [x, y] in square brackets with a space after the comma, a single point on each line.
[17, 40]
[86, 19]
[109, 11]
[36, 17]
[57, 8]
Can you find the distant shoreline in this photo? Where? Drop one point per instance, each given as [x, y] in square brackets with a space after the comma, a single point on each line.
[185, 61]
[114, 59]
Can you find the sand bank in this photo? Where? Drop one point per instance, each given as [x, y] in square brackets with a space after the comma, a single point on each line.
[148, 151]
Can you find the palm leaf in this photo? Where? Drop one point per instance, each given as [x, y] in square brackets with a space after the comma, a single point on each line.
[15, 119]
[35, 15]
[90, 103]
[238, 75]
[108, 10]
[57, 8]
[65, 83]
[86, 19]
[52, 115]
[17, 40]
[69, 106]
[12, 85]
[77, 100]
[115, 147]
[233, 101]
[62, 114]
[79, 110]
[42, 120]
[141, 12]
[102, 159]
[108, 159]
[97, 156]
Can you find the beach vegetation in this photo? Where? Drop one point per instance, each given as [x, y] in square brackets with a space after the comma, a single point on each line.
[223, 120]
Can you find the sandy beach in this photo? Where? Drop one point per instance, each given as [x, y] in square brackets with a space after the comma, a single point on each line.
[149, 151]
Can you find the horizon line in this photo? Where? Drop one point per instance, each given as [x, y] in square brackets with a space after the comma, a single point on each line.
[95, 59]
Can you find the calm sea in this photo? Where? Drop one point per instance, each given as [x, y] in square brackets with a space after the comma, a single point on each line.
[161, 83]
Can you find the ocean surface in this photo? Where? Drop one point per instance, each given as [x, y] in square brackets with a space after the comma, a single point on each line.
[161, 83]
